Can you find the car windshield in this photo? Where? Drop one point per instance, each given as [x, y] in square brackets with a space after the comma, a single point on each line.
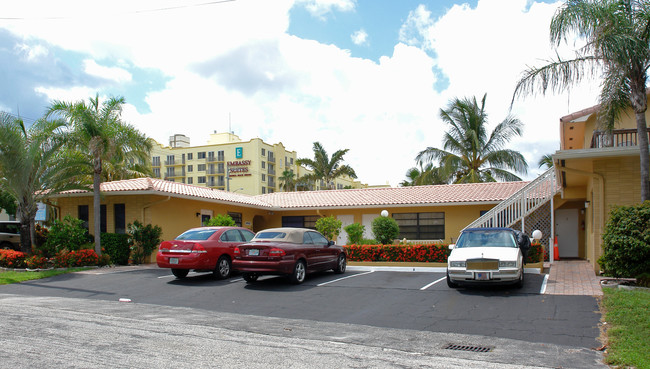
[269, 236]
[196, 234]
[486, 238]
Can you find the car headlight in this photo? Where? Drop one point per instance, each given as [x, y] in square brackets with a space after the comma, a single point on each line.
[457, 264]
[508, 264]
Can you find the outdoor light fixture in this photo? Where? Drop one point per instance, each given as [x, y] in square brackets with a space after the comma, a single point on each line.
[587, 204]
[384, 213]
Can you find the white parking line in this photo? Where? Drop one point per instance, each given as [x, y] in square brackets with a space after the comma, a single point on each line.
[432, 283]
[543, 289]
[340, 279]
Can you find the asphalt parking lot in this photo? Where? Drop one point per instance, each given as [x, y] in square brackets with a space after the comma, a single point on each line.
[401, 300]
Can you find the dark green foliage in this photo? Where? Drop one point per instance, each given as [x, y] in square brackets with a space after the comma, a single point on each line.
[330, 227]
[626, 241]
[8, 202]
[643, 280]
[143, 240]
[355, 233]
[221, 220]
[385, 229]
[66, 234]
[116, 246]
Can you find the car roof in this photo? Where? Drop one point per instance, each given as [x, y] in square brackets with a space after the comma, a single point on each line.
[488, 229]
[293, 235]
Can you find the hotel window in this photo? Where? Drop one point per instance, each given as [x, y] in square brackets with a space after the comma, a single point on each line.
[201, 155]
[119, 217]
[236, 217]
[421, 226]
[220, 155]
[200, 180]
[190, 168]
[308, 221]
[170, 160]
[190, 156]
[263, 190]
[263, 165]
[156, 161]
[263, 177]
[102, 225]
[263, 152]
[82, 214]
[190, 180]
[156, 172]
[200, 167]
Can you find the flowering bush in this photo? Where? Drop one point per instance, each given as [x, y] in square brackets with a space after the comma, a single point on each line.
[37, 262]
[431, 253]
[535, 253]
[67, 259]
[12, 259]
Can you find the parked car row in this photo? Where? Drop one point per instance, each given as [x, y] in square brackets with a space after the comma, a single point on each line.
[291, 252]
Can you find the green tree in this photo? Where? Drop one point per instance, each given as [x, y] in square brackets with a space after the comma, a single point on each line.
[143, 240]
[325, 168]
[288, 181]
[545, 161]
[330, 227]
[221, 220]
[470, 155]
[429, 175]
[355, 233]
[8, 202]
[98, 133]
[617, 35]
[34, 166]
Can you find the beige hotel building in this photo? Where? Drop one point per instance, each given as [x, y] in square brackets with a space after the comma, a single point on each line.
[227, 163]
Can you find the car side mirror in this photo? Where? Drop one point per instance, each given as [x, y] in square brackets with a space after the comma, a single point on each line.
[331, 243]
[452, 246]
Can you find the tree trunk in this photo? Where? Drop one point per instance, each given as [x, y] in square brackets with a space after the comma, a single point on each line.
[97, 212]
[642, 139]
[25, 232]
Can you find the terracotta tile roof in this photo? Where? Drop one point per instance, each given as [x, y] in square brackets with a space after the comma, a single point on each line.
[398, 196]
[587, 111]
[368, 197]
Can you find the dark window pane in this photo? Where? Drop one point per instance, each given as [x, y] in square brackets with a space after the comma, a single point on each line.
[119, 216]
[102, 217]
[82, 214]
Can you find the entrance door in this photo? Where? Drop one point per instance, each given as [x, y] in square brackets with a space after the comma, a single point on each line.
[346, 220]
[566, 228]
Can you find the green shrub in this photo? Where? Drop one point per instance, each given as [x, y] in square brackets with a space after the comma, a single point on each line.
[385, 229]
[536, 253]
[143, 240]
[643, 280]
[368, 241]
[116, 246]
[355, 233]
[66, 234]
[221, 220]
[626, 241]
[330, 227]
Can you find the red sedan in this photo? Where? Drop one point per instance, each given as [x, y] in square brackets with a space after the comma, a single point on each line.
[203, 249]
[292, 252]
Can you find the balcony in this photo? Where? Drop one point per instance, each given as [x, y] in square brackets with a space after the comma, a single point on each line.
[171, 163]
[271, 157]
[617, 138]
[215, 159]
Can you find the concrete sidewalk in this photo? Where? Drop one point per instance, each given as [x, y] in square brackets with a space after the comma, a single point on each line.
[573, 277]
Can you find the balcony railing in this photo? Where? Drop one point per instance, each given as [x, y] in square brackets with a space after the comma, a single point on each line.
[616, 138]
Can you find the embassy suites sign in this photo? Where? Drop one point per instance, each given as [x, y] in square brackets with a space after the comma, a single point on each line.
[239, 168]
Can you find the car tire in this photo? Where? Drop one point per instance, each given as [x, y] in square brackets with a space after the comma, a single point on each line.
[341, 264]
[223, 268]
[250, 277]
[450, 283]
[520, 282]
[6, 246]
[299, 272]
[180, 273]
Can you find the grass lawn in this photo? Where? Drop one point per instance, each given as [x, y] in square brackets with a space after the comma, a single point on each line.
[16, 277]
[627, 314]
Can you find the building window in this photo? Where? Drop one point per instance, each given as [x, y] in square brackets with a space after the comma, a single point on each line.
[170, 160]
[82, 214]
[156, 161]
[263, 152]
[201, 155]
[220, 155]
[421, 226]
[119, 217]
[102, 216]
[263, 177]
[236, 217]
[200, 167]
[156, 172]
[190, 168]
[263, 165]
[263, 190]
[308, 221]
[190, 180]
[190, 156]
[291, 161]
[200, 179]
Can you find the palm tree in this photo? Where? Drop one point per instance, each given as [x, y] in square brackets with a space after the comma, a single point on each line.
[424, 176]
[97, 131]
[545, 161]
[617, 34]
[288, 181]
[34, 166]
[325, 168]
[470, 155]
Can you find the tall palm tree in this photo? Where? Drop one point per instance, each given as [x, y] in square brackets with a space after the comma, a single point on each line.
[97, 131]
[470, 155]
[545, 161]
[34, 166]
[325, 168]
[288, 181]
[617, 34]
[429, 175]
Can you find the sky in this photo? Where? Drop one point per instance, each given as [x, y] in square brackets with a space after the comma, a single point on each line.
[366, 75]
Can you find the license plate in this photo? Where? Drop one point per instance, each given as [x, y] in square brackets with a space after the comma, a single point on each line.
[253, 252]
[173, 260]
[482, 276]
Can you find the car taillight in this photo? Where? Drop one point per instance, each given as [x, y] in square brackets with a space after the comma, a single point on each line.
[277, 252]
[198, 248]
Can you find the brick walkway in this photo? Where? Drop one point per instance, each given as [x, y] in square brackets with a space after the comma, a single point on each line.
[573, 277]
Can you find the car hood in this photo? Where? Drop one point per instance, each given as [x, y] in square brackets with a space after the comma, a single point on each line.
[500, 253]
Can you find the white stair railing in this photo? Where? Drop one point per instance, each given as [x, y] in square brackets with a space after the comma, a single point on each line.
[521, 204]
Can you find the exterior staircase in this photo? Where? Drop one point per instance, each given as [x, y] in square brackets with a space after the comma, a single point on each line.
[521, 204]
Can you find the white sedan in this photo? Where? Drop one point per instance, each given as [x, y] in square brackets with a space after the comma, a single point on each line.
[487, 255]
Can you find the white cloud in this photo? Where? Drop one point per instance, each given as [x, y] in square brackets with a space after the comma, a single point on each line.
[111, 73]
[31, 53]
[360, 37]
[319, 8]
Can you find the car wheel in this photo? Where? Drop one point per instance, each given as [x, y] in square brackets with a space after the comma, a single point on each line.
[450, 283]
[250, 277]
[341, 264]
[223, 269]
[520, 282]
[180, 273]
[6, 246]
[299, 272]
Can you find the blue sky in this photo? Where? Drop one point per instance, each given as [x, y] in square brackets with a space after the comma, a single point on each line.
[366, 75]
